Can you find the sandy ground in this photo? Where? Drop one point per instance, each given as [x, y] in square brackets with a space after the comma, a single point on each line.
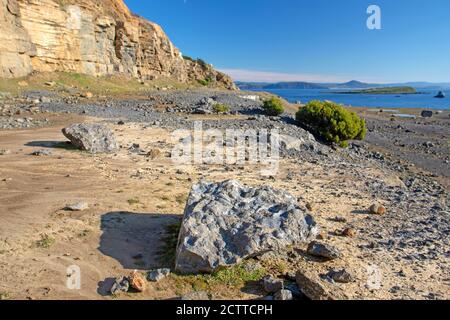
[132, 198]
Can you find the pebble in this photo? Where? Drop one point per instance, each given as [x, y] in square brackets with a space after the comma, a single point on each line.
[272, 285]
[349, 232]
[341, 276]
[377, 209]
[79, 206]
[42, 152]
[158, 274]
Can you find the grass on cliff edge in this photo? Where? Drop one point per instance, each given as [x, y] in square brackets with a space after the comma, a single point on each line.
[70, 83]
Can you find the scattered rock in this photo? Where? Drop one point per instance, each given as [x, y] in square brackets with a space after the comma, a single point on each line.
[137, 281]
[377, 209]
[122, 285]
[309, 206]
[154, 154]
[87, 95]
[94, 138]
[272, 285]
[314, 288]
[79, 206]
[50, 83]
[227, 222]
[42, 152]
[196, 295]
[283, 295]
[4, 152]
[323, 250]
[322, 235]
[427, 114]
[341, 276]
[349, 232]
[157, 275]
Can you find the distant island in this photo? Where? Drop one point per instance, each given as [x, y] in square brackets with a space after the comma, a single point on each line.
[385, 90]
[279, 85]
[397, 88]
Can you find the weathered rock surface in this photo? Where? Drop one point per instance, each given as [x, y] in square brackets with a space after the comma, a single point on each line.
[227, 222]
[79, 206]
[120, 285]
[313, 287]
[92, 37]
[323, 250]
[94, 138]
[158, 274]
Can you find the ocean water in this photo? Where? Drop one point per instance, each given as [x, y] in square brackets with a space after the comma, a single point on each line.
[423, 100]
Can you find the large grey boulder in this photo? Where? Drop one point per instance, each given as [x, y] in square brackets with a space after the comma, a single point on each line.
[226, 222]
[94, 138]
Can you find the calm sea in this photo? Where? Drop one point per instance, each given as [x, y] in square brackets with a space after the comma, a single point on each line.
[424, 100]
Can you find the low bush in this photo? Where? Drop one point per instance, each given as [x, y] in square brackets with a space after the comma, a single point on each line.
[273, 107]
[221, 108]
[332, 122]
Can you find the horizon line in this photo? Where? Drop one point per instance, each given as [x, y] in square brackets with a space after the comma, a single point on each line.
[246, 75]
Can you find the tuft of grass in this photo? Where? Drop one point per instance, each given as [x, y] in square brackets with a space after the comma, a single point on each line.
[167, 251]
[4, 295]
[234, 277]
[133, 201]
[181, 199]
[46, 241]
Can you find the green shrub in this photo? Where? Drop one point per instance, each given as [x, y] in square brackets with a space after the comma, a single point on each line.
[205, 82]
[332, 122]
[221, 108]
[202, 63]
[188, 58]
[273, 107]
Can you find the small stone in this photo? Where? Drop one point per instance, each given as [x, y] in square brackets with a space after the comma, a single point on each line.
[121, 123]
[87, 95]
[42, 152]
[137, 281]
[283, 295]
[122, 285]
[154, 154]
[50, 83]
[196, 295]
[79, 206]
[158, 274]
[272, 285]
[377, 209]
[323, 250]
[322, 235]
[309, 206]
[349, 232]
[341, 276]
[4, 152]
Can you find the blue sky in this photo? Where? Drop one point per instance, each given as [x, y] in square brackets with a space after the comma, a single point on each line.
[306, 40]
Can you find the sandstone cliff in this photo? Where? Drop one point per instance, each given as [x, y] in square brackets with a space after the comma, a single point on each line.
[98, 38]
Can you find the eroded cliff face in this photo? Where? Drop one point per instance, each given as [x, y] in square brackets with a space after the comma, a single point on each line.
[98, 38]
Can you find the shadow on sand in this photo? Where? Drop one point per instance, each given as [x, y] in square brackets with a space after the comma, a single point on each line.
[135, 239]
[52, 144]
